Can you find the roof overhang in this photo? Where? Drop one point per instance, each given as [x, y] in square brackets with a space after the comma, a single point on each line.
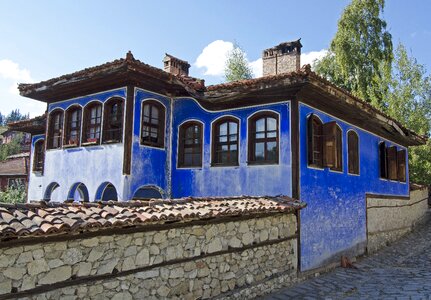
[33, 126]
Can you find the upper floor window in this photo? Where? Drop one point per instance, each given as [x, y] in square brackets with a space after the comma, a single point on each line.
[392, 163]
[153, 124]
[383, 160]
[55, 129]
[113, 121]
[353, 152]
[263, 139]
[225, 142]
[39, 156]
[92, 123]
[333, 146]
[402, 161]
[324, 144]
[73, 126]
[314, 141]
[190, 145]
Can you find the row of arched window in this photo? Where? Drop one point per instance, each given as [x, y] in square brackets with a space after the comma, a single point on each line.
[325, 146]
[105, 192]
[263, 141]
[83, 126]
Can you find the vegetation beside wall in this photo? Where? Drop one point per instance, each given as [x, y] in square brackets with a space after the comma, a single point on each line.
[13, 195]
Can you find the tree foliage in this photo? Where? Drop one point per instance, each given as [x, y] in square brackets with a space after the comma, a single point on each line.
[237, 67]
[360, 54]
[14, 147]
[409, 101]
[13, 195]
[15, 115]
[361, 60]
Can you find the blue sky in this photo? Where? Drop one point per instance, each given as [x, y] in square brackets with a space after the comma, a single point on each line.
[44, 39]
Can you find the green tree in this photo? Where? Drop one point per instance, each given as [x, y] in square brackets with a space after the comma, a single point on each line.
[237, 67]
[13, 195]
[15, 115]
[14, 147]
[409, 101]
[360, 54]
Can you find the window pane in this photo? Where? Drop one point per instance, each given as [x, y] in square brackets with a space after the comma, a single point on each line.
[233, 137]
[233, 147]
[271, 124]
[260, 135]
[223, 129]
[223, 139]
[233, 128]
[259, 151]
[271, 134]
[189, 132]
[147, 110]
[260, 125]
[196, 157]
[271, 151]
[154, 112]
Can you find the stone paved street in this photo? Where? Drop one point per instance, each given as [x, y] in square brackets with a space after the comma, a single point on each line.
[400, 271]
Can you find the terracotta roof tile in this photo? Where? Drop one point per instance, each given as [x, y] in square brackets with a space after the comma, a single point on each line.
[33, 219]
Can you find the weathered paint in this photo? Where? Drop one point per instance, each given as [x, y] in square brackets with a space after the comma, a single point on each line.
[334, 220]
[226, 181]
[150, 165]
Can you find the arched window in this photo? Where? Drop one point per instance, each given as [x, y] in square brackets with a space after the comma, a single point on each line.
[333, 146]
[190, 145]
[145, 193]
[39, 156]
[153, 124]
[353, 152]
[113, 121]
[50, 191]
[73, 126]
[78, 192]
[263, 139]
[314, 141]
[92, 123]
[109, 193]
[55, 129]
[225, 142]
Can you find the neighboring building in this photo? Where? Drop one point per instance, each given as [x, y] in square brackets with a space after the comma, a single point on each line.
[126, 130]
[14, 171]
[24, 139]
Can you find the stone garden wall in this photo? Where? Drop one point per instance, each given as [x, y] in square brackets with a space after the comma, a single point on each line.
[389, 218]
[230, 258]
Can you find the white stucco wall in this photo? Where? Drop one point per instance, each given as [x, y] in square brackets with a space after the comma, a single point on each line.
[92, 166]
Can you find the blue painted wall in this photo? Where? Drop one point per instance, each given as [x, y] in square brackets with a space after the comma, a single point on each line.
[227, 181]
[150, 166]
[334, 220]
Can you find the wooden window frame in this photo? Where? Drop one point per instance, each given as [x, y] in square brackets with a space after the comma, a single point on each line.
[252, 140]
[383, 161]
[55, 132]
[113, 129]
[314, 141]
[392, 163]
[86, 140]
[68, 127]
[402, 165]
[160, 126]
[353, 153]
[182, 145]
[216, 143]
[333, 146]
[39, 156]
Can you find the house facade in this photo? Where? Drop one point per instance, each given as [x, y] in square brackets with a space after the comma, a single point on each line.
[125, 130]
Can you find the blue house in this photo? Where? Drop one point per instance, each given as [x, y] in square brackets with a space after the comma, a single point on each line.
[126, 130]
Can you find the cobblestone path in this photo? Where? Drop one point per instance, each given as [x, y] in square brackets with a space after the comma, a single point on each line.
[400, 271]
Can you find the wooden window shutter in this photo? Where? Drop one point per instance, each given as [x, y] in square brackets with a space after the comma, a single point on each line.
[353, 152]
[401, 159]
[329, 144]
[383, 160]
[392, 163]
[310, 139]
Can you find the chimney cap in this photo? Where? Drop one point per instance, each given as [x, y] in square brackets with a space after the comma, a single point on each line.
[286, 46]
[169, 57]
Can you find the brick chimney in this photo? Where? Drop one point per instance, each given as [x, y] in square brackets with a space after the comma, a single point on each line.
[175, 66]
[283, 58]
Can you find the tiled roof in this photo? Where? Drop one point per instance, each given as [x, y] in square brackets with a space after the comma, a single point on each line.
[34, 125]
[42, 219]
[14, 166]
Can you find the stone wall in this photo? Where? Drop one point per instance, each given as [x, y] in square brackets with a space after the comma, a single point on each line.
[390, 218]
[234, 258]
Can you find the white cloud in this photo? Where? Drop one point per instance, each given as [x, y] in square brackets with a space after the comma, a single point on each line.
[257, 67]
[213, 57]
[312, 56]
[10, 75]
